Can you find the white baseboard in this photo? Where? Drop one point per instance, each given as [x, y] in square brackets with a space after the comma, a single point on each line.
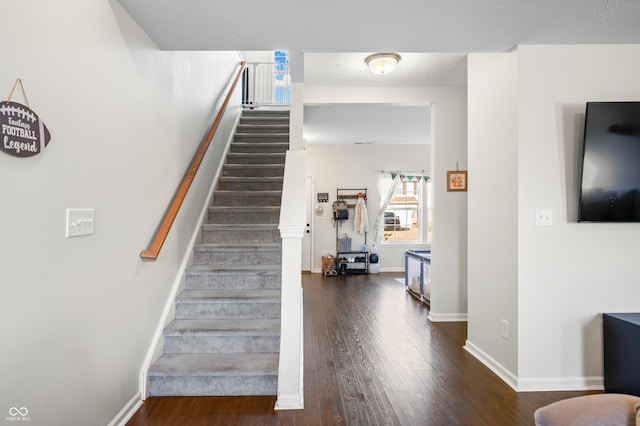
[507, 376]
[434, 317]
[399, 269]
[545, 384]
[289, 402]
[127, 411]
[552, 384]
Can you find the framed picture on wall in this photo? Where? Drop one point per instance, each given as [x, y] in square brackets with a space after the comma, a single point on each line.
[457, 180]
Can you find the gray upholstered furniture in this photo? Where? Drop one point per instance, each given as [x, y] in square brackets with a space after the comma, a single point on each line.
[607, 409]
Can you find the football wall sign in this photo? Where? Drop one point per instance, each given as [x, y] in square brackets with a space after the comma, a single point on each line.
[22, 133]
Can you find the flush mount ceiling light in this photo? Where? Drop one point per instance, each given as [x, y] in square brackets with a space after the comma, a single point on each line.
[382, 63]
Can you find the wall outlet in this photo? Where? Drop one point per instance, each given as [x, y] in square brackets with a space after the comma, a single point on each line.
[505, 329]
[544, 217]
[80, 222]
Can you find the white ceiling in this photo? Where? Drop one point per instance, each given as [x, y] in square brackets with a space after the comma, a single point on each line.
[414, 69]
[328, 40]
[382, 25]
[433, 36]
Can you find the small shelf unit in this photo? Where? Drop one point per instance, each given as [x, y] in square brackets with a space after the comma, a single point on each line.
[351, 261]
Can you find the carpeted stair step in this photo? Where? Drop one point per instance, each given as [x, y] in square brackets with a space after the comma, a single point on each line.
[256, 215]
[263, 114]
[253, 127]
[229, 183]
[261, 137]
[253, 170]
[259, 148]
[227, 304]
[214, 375]
[222, 336]
[252, 158]
[238, 254]
[239, 277]
[247, 198]
[263, 121]
[247, 234]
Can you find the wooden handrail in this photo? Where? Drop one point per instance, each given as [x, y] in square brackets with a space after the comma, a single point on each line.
[150, 254]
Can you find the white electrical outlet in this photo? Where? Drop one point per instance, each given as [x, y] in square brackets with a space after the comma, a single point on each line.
[544, 217]
[505, 329]
[80, 222]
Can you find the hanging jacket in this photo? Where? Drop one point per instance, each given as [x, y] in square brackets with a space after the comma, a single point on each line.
[360, 219]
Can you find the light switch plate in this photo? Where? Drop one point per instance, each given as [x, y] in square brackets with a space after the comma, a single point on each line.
[80, 222]
[544, 217]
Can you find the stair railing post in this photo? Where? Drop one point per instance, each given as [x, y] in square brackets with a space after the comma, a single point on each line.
[292, 225]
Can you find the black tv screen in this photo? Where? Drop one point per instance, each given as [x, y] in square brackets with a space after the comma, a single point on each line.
[610, 181]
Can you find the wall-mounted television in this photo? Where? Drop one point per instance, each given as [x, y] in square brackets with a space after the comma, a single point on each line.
[610, 175]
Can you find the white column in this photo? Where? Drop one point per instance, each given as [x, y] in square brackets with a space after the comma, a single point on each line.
[292, 224]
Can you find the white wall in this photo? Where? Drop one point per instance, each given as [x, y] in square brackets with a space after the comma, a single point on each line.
[493, 201]
[579, 270]
[449, 243]
[77, 315]
[257, 56]
[570, 273]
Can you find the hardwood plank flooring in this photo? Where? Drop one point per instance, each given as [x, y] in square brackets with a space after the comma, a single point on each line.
[371, 358]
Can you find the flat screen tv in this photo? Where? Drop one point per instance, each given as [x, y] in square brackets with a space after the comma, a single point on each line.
[610, 177]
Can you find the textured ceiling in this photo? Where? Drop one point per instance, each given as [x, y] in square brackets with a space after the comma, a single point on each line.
[433, 37]
[414, 69]
[382, 25]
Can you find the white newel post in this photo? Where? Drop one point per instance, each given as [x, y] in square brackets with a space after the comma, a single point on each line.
[292, 225]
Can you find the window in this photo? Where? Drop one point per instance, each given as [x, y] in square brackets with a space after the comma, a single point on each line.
[404, 217]
[282, 80]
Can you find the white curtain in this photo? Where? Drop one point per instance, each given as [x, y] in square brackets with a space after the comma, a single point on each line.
[387, 186]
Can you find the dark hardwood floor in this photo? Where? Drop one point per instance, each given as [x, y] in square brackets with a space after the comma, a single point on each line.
[371, 358]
